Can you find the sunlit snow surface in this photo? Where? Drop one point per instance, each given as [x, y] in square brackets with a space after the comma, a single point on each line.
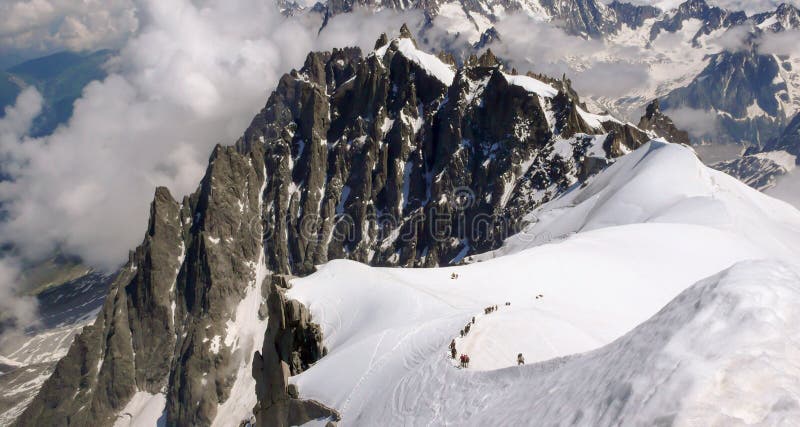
[724, 351]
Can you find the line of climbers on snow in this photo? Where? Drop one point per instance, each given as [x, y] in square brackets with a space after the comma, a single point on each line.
[464, 358]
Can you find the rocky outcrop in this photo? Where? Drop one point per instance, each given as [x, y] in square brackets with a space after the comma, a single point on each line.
[396, 158]
[660, 124]
[292, 343]
[100, 371]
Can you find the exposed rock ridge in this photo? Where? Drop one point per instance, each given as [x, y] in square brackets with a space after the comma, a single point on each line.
[291, 344]
[163, 326]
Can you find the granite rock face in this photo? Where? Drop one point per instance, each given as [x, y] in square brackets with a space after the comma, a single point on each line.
[156, 330]
[395, 158]
[291, 344]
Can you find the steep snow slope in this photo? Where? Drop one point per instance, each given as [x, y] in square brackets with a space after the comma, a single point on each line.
[388, 329]
[662, 183]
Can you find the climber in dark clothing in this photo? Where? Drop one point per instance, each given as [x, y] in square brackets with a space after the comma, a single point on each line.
[520, 359]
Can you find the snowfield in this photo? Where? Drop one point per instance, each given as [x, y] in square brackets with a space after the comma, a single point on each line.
[652, 312]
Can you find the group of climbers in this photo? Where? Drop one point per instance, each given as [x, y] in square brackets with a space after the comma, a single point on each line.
[464, 358]
[465, 331]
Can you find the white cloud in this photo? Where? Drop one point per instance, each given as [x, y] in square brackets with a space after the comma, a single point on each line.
[782, 43]
[13, 128]
[544, 48]
[47, 25]
[735, 38]
[611, 79]
[788, 188]
[16, 311]
[700, 124]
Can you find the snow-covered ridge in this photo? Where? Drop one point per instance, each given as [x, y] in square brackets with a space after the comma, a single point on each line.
[532, 85]
[429, 63]
[667, 183]
[637, 237]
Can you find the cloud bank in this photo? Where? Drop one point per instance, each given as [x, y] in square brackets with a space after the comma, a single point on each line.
[16, 312]
[43, 26]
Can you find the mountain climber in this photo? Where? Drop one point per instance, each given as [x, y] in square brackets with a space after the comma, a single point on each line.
[466, 361]
[520, 359]
[473, 320]
[463, 360]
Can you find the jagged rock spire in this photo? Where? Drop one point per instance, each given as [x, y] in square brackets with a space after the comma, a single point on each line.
[653, 108]
[660, 124]
[488, 59]
[446, 57]
[382, 41]
[405, 32]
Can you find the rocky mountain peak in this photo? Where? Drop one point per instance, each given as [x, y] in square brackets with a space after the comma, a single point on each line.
[406, 33]
[633, 15]
[788, 16]
[382, 41]
[713, 18]
[486, 59]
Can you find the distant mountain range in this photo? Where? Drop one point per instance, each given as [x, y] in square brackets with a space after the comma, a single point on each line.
[59, 77]
[750, 94]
